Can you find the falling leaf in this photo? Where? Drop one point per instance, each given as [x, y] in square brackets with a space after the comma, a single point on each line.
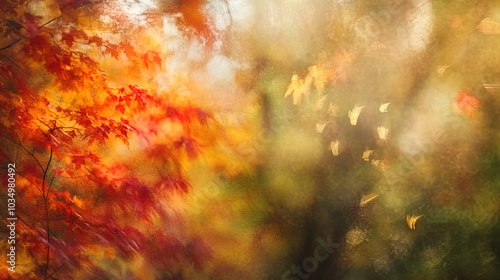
[441, 69]
[335, 147]
[382, 132]
[383, 107]
[411, 220]
[489, 26]
[296, 89]
[320, 127]
[365, 199]
[366, 154]
[354, 114]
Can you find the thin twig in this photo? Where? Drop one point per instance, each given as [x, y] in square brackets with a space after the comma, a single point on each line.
[47, 218]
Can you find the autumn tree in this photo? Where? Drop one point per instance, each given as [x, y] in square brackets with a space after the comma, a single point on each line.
[76, 90]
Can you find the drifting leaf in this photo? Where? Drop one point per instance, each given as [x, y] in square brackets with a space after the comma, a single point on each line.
[383, 107]
[320, 127]
[441, 69]
[382, 132]
[335, 147]
[366, 154]
[296, 89]
[411, 220]
[354, 114]
[365, 199]
[489, 26]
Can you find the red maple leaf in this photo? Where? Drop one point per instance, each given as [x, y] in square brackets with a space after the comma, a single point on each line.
[78, 161]
[466, 103]
[128, 49]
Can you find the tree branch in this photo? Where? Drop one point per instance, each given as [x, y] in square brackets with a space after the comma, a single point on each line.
[24, 36]
[47, 218]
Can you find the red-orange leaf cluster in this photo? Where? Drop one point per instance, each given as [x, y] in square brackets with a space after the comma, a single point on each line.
[60, 118]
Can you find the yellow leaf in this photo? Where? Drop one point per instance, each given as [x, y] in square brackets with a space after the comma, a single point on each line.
[296, 89]
[441, 69]
[77, 201]
[366, 154]
[320, 127]
[354, 114]
[383, 107]
[489, 27]
[411, 220]
[365, 199]
[382, 132]
[335, 147]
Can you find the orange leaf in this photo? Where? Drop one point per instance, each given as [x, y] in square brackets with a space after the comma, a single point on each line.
[128, 50]
[466, 103]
